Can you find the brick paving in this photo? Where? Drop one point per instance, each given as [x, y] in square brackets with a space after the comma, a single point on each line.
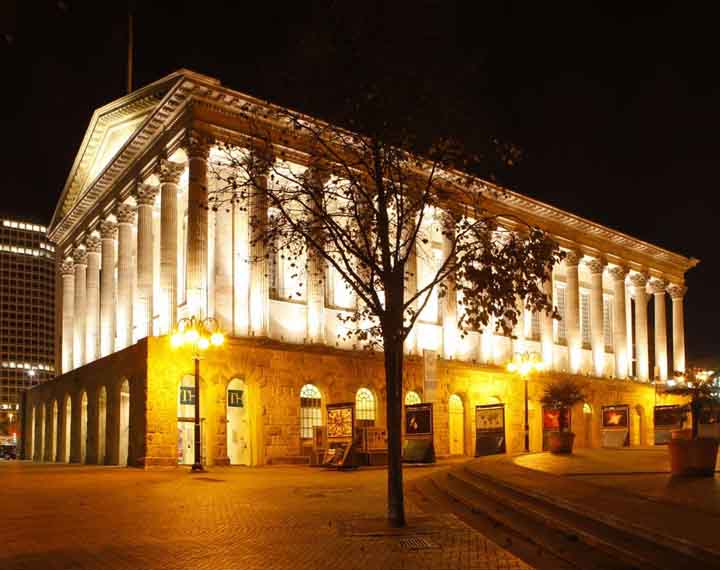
[82, 517]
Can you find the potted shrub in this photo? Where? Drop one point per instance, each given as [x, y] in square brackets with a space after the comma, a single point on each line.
[691, 454]
[563, 395]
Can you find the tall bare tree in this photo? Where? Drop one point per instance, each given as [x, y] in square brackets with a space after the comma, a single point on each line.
[369, 209]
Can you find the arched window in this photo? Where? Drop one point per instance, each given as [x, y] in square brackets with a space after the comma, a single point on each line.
[457, 425]
[310, 410]
[412, 398]
[365, 405]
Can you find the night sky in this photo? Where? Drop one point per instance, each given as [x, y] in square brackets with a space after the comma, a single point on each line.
[616, 107]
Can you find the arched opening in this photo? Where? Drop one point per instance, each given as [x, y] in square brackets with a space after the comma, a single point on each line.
[310, 415]
[124, 435]
[365, 411]
[238, 424]
[639, 425]
[32, 434]
[186, 422]
[83, 426]
[412, 397]
[54, 433]
[68, 427]
[457, 425]
[102, 426]
[587, 421]
[41, 447]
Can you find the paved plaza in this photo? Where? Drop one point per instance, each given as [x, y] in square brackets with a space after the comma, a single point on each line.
[82, 517]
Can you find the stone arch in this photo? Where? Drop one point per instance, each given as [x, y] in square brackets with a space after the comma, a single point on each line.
[41, 432]
[54, 432]
[411, 398]
[67, 429]
[124, 422]
[456, 413]
[238, 435]
[639, 426]
[185, 401]
[83, 426]
[32, 429]
[587, 422]
[102, 426]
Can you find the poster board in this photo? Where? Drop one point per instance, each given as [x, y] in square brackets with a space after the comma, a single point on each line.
[418, 446]
[489, 429]
[615, 426]
[340, 435]
[551, 422]
[667, 419]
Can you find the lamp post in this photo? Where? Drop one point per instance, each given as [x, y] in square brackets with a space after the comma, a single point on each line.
[199, 334]
[524, 364]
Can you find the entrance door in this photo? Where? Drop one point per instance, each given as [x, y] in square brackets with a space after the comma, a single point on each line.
[238, 428]
[457, 425]
[186, 425]
[124, 423]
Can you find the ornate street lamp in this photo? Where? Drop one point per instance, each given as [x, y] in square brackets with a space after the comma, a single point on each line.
[200, 334]
[525, 364]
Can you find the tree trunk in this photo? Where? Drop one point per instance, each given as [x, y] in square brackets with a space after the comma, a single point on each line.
[394, 380]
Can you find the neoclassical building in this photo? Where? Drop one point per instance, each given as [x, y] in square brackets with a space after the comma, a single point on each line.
[136, 254]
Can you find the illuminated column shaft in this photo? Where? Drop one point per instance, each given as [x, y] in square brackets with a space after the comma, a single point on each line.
[677, 293]
[108, 231]
[657, 287]
[67, 272]
[597, 337]
[80, 257]
[411, 287]
[92, 313]
[639, 282]
[145, 198]
[572, 311]
[169, 177]
[619, 318]
[125, 216]
[197, 241]
[258, 219]
[546, 327]
[449, 309]
[241, 270]
[224, 266]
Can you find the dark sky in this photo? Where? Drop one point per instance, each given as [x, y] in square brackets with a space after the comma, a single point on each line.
[616, 108]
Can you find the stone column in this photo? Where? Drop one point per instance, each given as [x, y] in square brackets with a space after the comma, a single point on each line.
[125, 215]
[92, 312]
[67, 271]
[224, 266]
[315, 279]
[80, 257]
[197, 241]
[145, 198]
[597, 337]
[657, 288]
[572, 310]
[546, 327]
[169, 178]
[108, 231]
[258, 219]
[642, 363]
[677, 292]
[619, 318]
[448, 303]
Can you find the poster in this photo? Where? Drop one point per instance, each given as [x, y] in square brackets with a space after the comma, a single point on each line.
[418, 420]
[552, 416]
[489, 429]
[340, 421]
[430, 377]
[615, 417]
[235, 399]
[187, 395]
[668, 417]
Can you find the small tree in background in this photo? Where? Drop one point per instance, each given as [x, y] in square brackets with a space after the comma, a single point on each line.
[563, 394]
[370, 209]
[700, 386]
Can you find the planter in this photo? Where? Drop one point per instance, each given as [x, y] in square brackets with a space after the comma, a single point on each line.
[561, 441]
[693, 457]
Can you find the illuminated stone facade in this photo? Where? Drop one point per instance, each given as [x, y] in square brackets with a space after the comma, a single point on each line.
[137, 254]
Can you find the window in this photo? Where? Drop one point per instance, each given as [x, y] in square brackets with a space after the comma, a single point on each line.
[534, 326]
[560, 325]
[310, 410]
[585, 318]
[287, 276]
[365, 405]
[412, 398]
[608, 323]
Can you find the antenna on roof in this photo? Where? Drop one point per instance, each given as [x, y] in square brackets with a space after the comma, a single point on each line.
[130, 52]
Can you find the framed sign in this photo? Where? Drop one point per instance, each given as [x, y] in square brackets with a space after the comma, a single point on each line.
[235, 399]
[418, 420]
[340, 419]
[187, 395]
[615, 417]
[337, 454]
[552, 417]
[489, 429]
[668, 417]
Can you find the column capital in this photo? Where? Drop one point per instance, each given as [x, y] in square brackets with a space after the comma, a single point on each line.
[596, 265]
[80, 255]
[676, 291]
[169, 172]
[145, 194]
[125, 214]
[197, 145]
[656, 286]
[638, 280]
[92, 244]
[108, 229]
[572, 258]
[67, 266]
[618, 272]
